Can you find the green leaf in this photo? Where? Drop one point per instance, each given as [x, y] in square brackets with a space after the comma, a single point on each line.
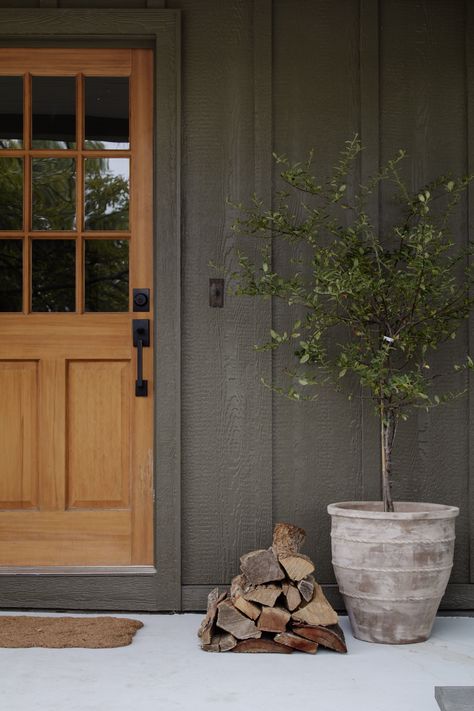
[304, 358]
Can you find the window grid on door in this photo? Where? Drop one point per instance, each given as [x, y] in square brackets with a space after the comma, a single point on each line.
[79, 154]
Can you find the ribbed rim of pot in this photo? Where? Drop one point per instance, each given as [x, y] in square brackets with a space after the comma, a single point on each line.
[403, 510]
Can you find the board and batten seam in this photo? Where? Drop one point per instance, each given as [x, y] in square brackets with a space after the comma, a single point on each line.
[469, 74]
[263, 139]
[369, 61]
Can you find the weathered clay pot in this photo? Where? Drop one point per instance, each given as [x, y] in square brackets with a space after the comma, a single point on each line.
[392, 568]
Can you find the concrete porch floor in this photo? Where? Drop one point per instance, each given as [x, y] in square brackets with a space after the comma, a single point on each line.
[164, 670]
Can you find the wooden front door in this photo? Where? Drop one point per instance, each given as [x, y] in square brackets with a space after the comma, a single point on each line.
[76, 460]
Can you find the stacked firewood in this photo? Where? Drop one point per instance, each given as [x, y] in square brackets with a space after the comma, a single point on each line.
[274, 605]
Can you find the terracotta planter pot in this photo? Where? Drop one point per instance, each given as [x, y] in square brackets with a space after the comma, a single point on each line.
[392, 568]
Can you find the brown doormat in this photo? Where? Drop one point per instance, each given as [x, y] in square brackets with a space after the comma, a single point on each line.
[61, 632]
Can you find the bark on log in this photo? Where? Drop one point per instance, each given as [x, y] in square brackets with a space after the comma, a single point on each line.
[263, 594]
[287, 539]
[237, 596]
[306, 588]
[293, 640]
[261, 567]
[207, 625]
[273, 619]
[297, 566]
[231, 620]
[330, 637]
[221, 642]
[259, 646]
[316, 612]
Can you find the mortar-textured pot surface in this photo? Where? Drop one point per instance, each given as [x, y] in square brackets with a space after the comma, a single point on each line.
[392, 568]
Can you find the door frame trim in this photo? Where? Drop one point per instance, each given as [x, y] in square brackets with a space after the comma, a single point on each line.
[160, 29]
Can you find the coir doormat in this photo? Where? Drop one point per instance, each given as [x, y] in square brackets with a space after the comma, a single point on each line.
[61, 632]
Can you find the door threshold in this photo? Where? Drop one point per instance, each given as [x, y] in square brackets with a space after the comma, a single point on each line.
[79, 570]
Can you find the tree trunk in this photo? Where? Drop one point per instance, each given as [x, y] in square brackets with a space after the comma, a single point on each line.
[388, 424]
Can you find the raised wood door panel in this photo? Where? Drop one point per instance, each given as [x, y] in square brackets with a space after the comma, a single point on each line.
[76, 456]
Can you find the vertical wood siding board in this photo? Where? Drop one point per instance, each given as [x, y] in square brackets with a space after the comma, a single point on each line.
[168, 310]
[316, 104]
[160, 592]
[224, 461]
[469, 40]
[423, 110]
[262, 53]
[370, 488]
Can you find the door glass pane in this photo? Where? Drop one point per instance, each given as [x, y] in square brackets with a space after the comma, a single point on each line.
[54, 112]
[106, 198]
[11, 112]
[106, 119]
[54, 193]
[106, 275]
[53, 275]
[11, 193]
[11, 274]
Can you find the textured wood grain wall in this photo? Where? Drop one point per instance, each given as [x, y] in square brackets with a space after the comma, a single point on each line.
[298, 74]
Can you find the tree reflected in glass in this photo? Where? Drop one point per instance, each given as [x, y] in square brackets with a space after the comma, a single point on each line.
[11, 274]
[106, 275]
[11, 193]
[106, 199]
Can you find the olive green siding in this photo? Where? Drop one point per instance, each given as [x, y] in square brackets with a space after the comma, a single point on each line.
[289, 75]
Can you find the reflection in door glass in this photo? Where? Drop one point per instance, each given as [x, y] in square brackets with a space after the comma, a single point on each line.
[53, 275]
[11, 193]
[54, 193]
[106, 275]
[11, 274]
[54, 112]
[106, 108]
[11, 112]
[106, 193]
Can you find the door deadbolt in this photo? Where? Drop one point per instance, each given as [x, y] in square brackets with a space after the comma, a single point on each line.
[141, 299]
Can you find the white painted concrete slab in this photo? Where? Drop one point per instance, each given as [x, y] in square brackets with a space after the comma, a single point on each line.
[164, 670]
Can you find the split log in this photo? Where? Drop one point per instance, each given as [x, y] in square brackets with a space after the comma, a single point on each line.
[263, 594]
[316, 612]
[261, 567]
[330, 637]
[306, 588]
[237, 596]
[221, 642]
[292, 640]
[259, 646]
[207, 625]
[273, 619]
[293, 597]
[297, 566]
[231, 620]
[287, 539]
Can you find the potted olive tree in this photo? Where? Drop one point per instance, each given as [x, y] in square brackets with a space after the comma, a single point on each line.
[370, 310]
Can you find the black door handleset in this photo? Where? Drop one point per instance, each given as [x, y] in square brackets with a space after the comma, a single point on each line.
[141, 340]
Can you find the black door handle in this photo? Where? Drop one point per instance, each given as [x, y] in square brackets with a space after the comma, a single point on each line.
[141, 339]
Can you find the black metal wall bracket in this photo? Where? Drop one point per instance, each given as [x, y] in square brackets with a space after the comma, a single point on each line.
[141, 340]
[216, 293]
